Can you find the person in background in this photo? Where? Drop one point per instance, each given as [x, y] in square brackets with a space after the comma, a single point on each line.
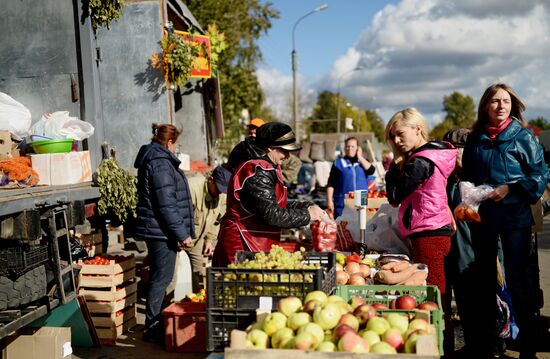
[290, 169]
[503, 153]
[416, 182]
[458, 271]
[164, 218]
[209, 201]
[253, 126]
[348, 173]
[257, 198]
[240, 153]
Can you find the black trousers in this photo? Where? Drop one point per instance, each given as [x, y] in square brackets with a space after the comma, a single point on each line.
[521, 279]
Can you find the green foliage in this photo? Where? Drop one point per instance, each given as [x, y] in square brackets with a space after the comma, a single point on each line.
[325, 108]
[460, 111]
[217, 46]
[117, 190]
[176, 59]
[102, 12]
[540, 122]
[376, 124]
[242, 22]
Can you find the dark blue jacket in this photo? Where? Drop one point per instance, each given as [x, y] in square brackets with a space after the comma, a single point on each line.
[514, 158]
[165, 209]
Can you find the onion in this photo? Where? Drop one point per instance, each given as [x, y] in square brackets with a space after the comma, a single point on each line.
[339, 267]
[341, 277]
[364, 270]
[352, 267]
[356, 279]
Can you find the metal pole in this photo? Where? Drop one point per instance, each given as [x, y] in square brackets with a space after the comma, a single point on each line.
[295, 119]
[295, 115]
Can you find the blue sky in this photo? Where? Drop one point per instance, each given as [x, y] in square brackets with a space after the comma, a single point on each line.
[412, 53]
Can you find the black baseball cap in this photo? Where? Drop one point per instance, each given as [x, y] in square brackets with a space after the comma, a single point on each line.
[221, 176]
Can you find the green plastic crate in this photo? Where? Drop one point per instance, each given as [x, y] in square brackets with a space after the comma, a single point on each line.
[386, 293]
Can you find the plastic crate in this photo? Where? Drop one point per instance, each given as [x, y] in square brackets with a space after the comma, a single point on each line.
[386, 293]
[20, 259]
[185, 327]
[263, 288]
[222, 321]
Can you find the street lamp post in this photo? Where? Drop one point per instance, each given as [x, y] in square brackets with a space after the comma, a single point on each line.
[338, 94]
[295, 118]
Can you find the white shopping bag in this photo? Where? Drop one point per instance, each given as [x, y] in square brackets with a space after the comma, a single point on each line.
[14, 117]
[183, 276]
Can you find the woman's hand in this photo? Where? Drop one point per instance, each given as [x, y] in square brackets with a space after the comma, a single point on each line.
[208, 249]
[316, 213]
[499, 193]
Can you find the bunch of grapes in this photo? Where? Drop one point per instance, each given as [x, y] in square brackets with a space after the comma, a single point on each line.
[276, 258]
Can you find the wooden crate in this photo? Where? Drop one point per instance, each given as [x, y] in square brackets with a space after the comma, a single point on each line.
[115, 332]
[113, 294]
[102, 276]
[112, 320]
[111, 306]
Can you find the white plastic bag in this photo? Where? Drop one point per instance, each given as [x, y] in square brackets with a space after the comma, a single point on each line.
[471, 196]
[59, 125]
[14, 117]
[382, 233]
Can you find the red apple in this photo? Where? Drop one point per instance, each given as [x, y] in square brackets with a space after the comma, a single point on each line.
[364, 312]
[353, 343]
[380, 306]
[350, 320]
[342, 329]
[356, 301]
[428, 306]
[405, 302]
[394, 338]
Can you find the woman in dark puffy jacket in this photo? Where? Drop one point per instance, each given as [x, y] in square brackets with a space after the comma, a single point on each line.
[164, 217]
[257, 196]
[503, 153]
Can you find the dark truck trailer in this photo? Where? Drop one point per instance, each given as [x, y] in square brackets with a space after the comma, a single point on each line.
[52, 60]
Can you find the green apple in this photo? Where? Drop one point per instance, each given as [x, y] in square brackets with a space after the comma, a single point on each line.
[296, 320]
[315, 330]
[304, 341]
[281, 336]
[317, 295]
[350, 320]
[274, 322]
[334, 298]
[370, 336]
[289, 305]
[328, 316]
[399, 321]
[419, 323]
[258, 338]
[383, 348]
[326, 347]
[378, 325]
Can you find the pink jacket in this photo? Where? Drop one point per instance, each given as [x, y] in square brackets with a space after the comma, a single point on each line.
[428, 204]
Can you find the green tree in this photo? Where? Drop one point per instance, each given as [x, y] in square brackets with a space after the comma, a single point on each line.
[540, 122]
[376, 124]
[324, 109]
[242, 22]
[460, 111]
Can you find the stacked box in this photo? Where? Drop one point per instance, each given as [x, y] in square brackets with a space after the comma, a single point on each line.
[110, 293]
[93, 242]
[234, 295]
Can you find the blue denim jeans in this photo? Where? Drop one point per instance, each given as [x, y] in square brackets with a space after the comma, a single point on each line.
[162, 261]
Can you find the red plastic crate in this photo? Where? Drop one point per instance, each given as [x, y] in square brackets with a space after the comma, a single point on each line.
[185, 327]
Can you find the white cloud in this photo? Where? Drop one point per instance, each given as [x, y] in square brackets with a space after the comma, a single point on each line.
[278, 94]
[418, 51]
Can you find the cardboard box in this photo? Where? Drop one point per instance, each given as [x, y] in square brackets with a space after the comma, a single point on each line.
[40, 343]
[62, 168]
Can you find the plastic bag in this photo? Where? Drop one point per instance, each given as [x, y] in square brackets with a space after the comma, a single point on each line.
[323, 235]
[14, 117]
[59, 125]
[471, 196]
[382, 234]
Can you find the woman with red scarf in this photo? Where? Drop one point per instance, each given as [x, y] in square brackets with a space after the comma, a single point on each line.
[503, 153]
[257, 197]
